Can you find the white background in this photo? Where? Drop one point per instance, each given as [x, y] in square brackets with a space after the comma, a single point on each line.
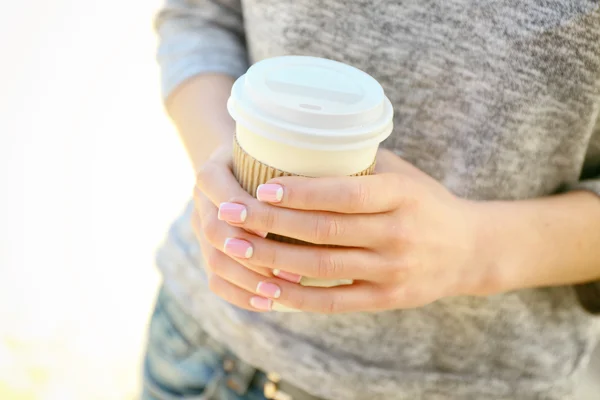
[91, 174]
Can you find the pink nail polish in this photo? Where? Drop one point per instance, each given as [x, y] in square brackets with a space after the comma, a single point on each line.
[270, 193]
[260, 303]
[238, 248]
[288, 276]
[232, 212]
[268, 289]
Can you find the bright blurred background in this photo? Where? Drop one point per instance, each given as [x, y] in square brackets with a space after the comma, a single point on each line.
[91, 175]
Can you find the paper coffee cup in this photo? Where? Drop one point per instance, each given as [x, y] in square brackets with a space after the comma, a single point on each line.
[306, 116]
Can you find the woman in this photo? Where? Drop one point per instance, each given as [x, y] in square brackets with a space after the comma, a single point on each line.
[475, 246]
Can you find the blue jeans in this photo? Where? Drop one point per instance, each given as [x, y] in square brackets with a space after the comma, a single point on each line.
[183, 363]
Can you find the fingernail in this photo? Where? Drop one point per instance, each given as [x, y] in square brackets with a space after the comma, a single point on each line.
[238, 248]
[259, 233]
[268, 289]
[288, 276]
[232, 212]
[271, 193]
[260, 303]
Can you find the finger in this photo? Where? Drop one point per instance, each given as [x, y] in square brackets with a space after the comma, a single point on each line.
[348, 195]
[260, 293]
[265, 290]
[237, 296]
[208, 228]
[249, 280]
[232, 271]
[246, 287]
[216, 181]
[317, 262]
[350, 230]
[358, 297]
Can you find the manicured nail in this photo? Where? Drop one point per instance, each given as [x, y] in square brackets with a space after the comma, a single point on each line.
[232, 212]
[260, 303]
[268, 289]
[271, 193]
[288, 276]
[238, 248]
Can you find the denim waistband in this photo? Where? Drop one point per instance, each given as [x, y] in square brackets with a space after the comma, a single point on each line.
[178, 345]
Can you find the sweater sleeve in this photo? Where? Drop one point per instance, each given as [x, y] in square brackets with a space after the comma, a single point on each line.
[199, 36]
[589, 293]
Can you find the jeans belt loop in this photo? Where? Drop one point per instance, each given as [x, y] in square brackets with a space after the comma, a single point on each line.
[271, 391]
[239, 375]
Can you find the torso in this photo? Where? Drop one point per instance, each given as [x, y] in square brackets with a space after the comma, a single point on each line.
[495, 99]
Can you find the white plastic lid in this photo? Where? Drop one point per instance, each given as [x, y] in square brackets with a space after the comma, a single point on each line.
[311, 102]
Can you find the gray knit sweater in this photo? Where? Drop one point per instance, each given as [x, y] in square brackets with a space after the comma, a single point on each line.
[497, 99]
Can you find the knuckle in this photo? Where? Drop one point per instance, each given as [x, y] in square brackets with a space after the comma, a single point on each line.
[214, 284]
[359, 197]
[327, 226]
[328, 265]
[297, 302]
[210, 228]
[403, 191]
[398, 235]
[205, 173]
[268, 218]
[397, 275]
[394, 268]
[408, 296]
[388, 297]
[331, 306]
[214, 260]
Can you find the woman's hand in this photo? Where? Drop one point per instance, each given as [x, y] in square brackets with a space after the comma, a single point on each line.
[227, 277]
[406, 240]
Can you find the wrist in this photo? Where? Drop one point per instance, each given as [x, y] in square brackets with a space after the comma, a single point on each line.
[493, 257]
[199, 111]
[550, 241]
